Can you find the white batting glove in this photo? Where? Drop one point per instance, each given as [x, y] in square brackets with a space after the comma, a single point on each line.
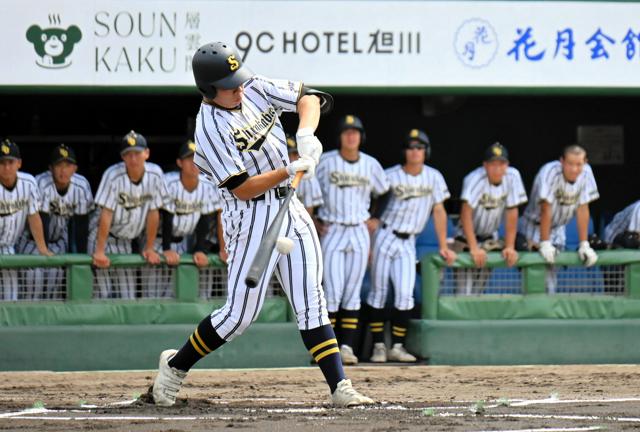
[548, 251]
[304, 163]
[308, 144]
[586, 253]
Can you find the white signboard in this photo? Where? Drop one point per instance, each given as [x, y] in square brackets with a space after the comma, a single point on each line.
[390, 44]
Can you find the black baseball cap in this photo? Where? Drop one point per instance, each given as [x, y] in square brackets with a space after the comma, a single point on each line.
[496, 151]
[417, 135]
[63, 153]
[292, 145]
[187, 149]
[9, 150]
[133, 142]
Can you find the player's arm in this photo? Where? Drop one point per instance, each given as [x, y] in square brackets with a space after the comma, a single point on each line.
[582, 222]
[220, 233]
[202, 227]
[478, 255]
[545, 220]
[509, 252]
[440, 224]
[100, 260]
[172, 257]
[153, 223]
[35, 225]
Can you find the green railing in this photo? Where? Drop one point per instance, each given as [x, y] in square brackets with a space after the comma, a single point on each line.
[533, 302]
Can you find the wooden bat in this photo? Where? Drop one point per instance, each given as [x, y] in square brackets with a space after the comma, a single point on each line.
[268, 243]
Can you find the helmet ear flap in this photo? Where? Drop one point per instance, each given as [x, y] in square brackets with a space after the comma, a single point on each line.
[209, 93]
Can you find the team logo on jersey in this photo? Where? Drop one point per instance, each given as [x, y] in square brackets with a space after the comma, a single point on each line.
[187, 208]
[343, 180]
[406, 192]
[490, 202]
[253, 137]
[8, 208]
[566, 198]
[233, 63]
[61, 208]
[53, 45]
[130, 202]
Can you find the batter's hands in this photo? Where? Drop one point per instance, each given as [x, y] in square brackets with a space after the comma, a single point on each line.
[510, 256]
[100, 260]
[151, 256]
[548, 251]
[586, 253]
[171, 257]
[308, 144]
[200, 259]
[479, 256]
[304, 163]
[448, 255]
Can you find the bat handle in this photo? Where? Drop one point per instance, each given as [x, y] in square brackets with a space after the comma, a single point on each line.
[296, 180]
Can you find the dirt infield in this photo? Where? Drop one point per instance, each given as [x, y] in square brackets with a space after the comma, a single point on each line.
[545, 398]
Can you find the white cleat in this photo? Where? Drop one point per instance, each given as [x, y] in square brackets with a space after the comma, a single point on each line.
[399, 354]
[168, 381]
[379, 353]
[347, 355]
[346, 396]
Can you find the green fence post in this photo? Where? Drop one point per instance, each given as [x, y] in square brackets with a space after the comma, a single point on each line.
[430, 288]
[632, 279]
[187, 281]
[79, 282]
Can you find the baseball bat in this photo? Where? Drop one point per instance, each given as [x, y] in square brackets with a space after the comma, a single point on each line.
[268, 243]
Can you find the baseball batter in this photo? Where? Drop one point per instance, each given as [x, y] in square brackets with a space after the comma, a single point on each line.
[416, 192]
[129, 196]
[490, 194]
[19, 204]
[348, 178]
[624, 230]
[308, 191]
[561, 190]
[241, 145]
[66, 200]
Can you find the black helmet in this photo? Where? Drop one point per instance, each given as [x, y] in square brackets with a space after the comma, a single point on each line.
[352, 122]
[218, 65]
[418, 135]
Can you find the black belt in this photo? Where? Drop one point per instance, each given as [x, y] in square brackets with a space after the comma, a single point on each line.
[400, 235]
[280, 193]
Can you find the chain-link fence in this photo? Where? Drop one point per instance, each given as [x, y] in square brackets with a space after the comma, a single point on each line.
[609, 280]
[33, 284]
[473, 281]
[213, 284]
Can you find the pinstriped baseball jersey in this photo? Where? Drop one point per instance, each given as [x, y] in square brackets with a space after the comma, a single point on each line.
[564, 197]
[249, 140]
[626, 220]
[15, 205]
[489, 201]
[77, 200]
[309, 192]
[347, 187]
[412, 198]
[130, 202]
[188, 206]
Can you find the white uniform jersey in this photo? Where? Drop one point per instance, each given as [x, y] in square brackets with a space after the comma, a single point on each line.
[309, 193]
[15, 205]
[626, 220]
[130, 202]
[187, 207]
[251, 138]
[489, 201]
[77, 200]
[347, 187]
[564, 197]
[412, 198]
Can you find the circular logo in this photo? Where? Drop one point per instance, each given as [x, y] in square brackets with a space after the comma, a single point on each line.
[476, 43]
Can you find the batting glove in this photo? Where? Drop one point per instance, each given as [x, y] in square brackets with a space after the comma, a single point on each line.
[548, 251]
[587, 254]
[305, 163]
[308, 144]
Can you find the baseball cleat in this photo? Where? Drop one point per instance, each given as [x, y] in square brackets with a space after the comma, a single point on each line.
[347, 355]
[346, 396]
[400, 354]
[168, 381]
[379, 353]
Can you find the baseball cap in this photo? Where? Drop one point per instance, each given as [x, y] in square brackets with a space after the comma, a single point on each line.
[133, 142]
[63, 153]
[187, 149]
[496, 152]
[9, 150]
[417, 135]
[292, 145]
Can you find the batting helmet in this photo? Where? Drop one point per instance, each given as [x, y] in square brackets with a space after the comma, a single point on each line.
[352, 122]
[217, 65]
[417, 135]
